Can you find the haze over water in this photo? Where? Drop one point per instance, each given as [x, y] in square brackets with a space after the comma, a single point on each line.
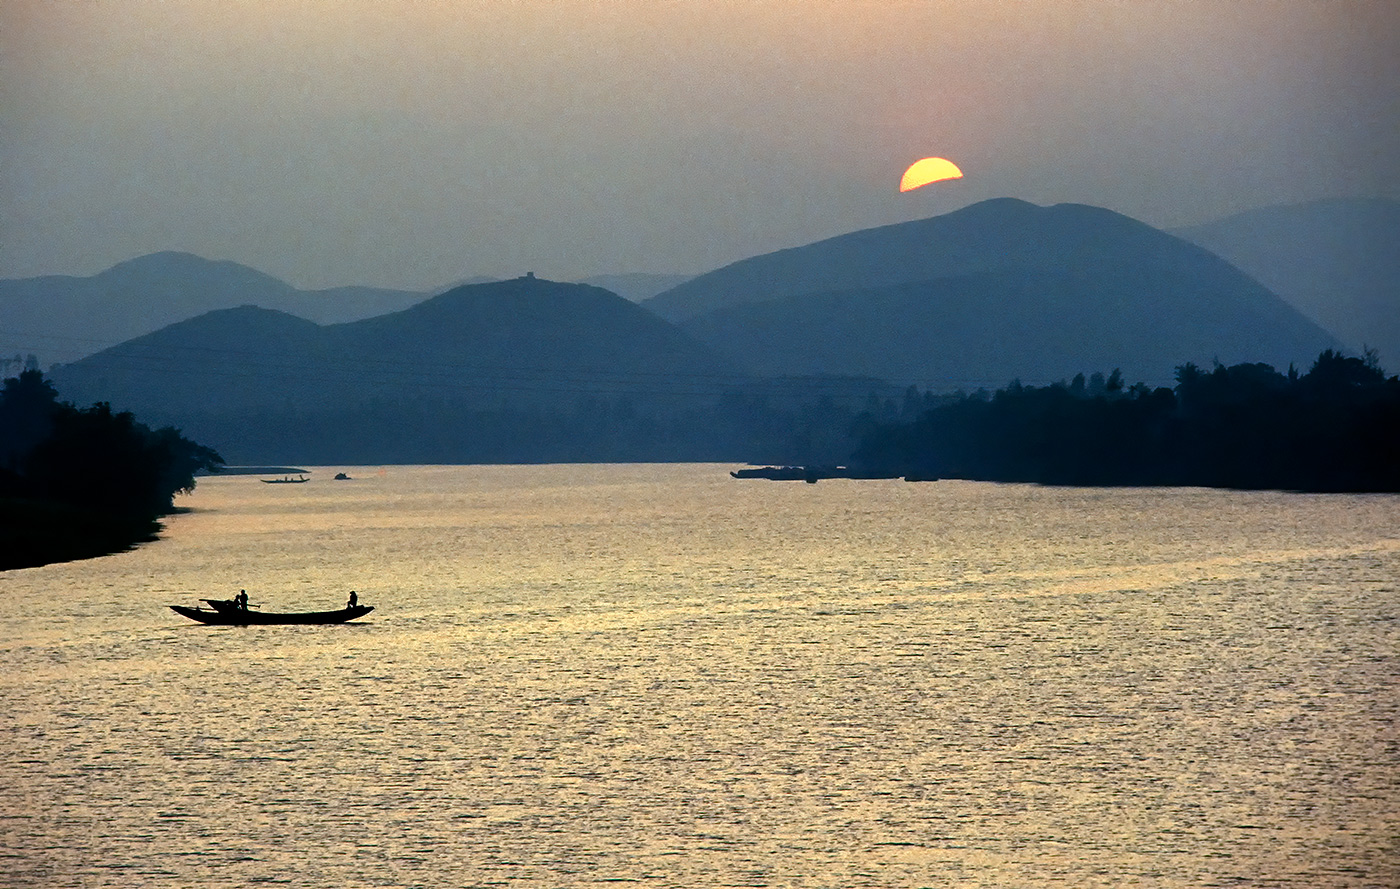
[658, 674]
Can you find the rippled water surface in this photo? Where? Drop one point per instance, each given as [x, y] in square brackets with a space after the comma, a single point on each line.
[657, 674]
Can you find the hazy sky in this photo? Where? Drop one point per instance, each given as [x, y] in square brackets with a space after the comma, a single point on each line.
[410, 143]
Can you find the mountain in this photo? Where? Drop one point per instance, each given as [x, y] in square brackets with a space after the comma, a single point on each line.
[531, 326]
[999, 290]
[62, 318]
[227, 359]
[1335, 260]
[260, 384]
[636, 286]
[993, 235]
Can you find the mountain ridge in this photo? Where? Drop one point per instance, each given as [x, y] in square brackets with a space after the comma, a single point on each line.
[63, 318]
[1093, 290]
[1014, 231]
[994, 292]
[249, 374]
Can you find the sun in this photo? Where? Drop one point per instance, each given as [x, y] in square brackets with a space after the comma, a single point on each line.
[928, 171]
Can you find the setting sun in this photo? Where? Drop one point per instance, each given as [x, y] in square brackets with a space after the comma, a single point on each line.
[928, 171]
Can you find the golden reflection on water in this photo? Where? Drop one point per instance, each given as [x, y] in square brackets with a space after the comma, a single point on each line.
[658, 674]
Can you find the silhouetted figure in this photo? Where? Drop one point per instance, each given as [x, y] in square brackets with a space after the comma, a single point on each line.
[353, 600]
[242, 599]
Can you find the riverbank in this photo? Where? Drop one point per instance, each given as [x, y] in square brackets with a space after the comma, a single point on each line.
[38, 532]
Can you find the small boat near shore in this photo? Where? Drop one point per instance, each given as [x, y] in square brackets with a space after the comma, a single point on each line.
[287, 480]
[226, 612]
[809, 474]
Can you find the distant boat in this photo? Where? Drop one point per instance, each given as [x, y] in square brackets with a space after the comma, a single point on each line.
[775, 473]
[227, 613]
[809, 474]
[285, 481]
[342, 477]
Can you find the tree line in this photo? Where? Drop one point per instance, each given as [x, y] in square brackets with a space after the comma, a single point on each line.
[1334, 428]
[79, 482]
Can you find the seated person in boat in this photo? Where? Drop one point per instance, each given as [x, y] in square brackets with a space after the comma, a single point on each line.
[353, 600]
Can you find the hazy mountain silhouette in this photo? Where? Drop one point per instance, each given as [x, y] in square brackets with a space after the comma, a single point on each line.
[636, 286]
[999, 290]
[62, 318]
[528, 369]
[526, 343]
[1335, 260]
[997, 235]
[632, 286]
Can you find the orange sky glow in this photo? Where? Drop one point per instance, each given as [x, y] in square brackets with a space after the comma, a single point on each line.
[412, 142]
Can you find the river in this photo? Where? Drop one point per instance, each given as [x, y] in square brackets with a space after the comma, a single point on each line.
[660, 675]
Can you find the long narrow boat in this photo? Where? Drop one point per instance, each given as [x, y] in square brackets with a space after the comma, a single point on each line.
[227, 613]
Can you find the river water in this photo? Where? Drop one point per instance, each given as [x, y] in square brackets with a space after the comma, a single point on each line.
[579, 675]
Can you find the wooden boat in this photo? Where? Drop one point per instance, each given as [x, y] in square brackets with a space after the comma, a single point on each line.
[227, 613]
[285, 481]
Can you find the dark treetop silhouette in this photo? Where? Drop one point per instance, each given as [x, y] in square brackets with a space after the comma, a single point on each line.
[1334, 428]
[79, 482]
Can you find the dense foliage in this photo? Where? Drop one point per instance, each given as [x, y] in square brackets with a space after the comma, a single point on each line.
[77, 482]
[1335, 428]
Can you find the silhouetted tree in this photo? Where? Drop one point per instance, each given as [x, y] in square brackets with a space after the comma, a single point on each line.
[82, 482]
[1336, 428]
[27, 406]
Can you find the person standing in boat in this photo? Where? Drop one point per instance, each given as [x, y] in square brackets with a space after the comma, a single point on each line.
[242, 599]
[353, 600]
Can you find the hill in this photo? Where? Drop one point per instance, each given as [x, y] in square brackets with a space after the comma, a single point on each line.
[1335, 260]
[225, 360]
[62, 318]
[999, 290]
[414, 385]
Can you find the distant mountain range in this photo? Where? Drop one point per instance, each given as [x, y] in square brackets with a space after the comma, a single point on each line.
[999, 290]
[529, 369]
[62, 318]
[254, 381]
[1337, 261]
